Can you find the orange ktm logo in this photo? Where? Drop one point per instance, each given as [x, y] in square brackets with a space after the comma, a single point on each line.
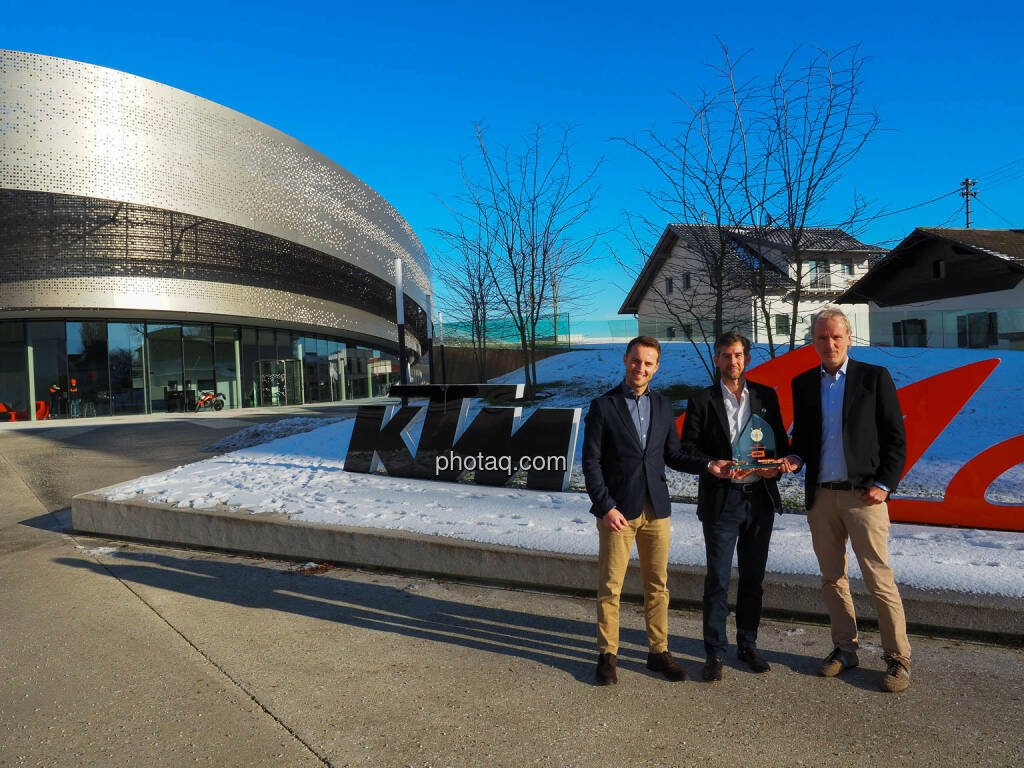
[928, 407]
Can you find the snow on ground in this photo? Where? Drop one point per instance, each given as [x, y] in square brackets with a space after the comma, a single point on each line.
[264, 433]
[302, 476]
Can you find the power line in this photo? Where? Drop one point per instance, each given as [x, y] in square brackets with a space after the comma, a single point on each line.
[1002, 169]
[1006, 180]
[912, 207]
[997, 214]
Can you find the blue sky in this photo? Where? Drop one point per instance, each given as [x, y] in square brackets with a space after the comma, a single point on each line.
[392, 91]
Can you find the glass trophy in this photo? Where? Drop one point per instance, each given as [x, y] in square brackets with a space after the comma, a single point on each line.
[755, 446]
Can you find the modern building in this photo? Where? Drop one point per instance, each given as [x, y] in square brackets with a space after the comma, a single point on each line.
[674, 296]
[947, 288]
[155, 245]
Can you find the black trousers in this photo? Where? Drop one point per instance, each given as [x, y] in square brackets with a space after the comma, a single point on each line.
[744, 527]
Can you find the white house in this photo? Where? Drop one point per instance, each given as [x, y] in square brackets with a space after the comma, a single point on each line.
[947, 288]
[675, 293]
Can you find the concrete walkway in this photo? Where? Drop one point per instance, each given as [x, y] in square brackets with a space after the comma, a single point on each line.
[119, 653]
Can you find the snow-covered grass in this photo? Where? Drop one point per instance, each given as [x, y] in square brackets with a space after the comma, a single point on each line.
[302, 475]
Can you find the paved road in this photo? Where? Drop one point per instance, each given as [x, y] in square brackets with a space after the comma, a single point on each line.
[116, 653]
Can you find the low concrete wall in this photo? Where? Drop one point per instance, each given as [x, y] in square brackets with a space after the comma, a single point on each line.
[794, 595]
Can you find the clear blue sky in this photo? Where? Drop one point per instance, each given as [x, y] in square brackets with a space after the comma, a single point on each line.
[391, 91]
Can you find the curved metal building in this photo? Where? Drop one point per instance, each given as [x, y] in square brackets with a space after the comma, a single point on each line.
[171, 220]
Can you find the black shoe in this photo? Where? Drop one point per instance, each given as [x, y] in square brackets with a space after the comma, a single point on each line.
[606, 669]
[664, 663]
[712, 671]
[752, 657]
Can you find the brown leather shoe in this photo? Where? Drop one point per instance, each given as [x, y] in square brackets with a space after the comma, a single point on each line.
[712, 672]
[838, 661]
[606, 669]
[896, 677]
[666, 665]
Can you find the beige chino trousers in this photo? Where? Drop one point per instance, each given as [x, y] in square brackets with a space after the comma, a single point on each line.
[652, 536]
[835, 517]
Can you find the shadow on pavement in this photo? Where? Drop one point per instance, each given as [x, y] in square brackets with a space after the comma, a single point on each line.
[564, 644]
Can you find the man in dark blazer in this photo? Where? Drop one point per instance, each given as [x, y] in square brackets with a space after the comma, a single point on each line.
[736, 507]
[848, 430]
[629, 437]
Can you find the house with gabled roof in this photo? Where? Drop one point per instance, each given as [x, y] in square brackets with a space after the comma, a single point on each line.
[947, 288]
[674, 298]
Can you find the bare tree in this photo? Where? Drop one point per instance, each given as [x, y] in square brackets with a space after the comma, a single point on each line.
[753, 165]
[704, 170]
[536, 201]
[462, 272]
[815, 123]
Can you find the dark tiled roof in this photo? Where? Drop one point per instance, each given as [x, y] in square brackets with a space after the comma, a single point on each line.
[1005, 243]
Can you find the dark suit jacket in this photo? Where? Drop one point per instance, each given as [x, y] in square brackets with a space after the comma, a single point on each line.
[706, 430]
[874, 441]
[618, 472]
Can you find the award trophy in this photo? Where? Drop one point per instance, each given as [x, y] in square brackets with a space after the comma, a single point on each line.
[755, 446]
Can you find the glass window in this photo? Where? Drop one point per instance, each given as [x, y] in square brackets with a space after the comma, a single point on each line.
[225, 368]
[166, 381]
[88, 377]
[334, 359]
[14, 375]
[310, 369]
[323, 371]
[268, 345]
[356, 374]
[283, 344]
[126, 344]
[197, 354]
[250, 354]
[49, 359]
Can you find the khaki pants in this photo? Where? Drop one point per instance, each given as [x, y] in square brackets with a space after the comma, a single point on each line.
[652, 539]
[835, 517]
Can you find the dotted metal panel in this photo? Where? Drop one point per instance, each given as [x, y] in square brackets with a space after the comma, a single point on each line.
[77, 129]
[52, 239]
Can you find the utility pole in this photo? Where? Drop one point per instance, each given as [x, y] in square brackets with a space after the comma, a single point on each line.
[967, 194]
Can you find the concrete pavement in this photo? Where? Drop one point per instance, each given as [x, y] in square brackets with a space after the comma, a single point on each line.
[118, 653]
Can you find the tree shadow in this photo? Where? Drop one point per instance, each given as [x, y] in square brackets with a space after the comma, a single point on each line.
[564, 644]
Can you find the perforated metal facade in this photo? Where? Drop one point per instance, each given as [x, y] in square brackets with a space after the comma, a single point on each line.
[118, 193]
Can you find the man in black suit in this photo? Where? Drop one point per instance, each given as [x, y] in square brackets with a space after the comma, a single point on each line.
[629, 437]
[848, 430]
[737, 507]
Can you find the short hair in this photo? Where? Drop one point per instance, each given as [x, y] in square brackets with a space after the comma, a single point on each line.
[830, 312]
[644, 341]
[729, 338]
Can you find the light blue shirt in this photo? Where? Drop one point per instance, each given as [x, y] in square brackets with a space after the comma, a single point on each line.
[640, 410]
[833, 458]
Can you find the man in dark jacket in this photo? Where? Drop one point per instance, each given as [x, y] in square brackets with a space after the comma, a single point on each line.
[629, 437]
[737, 509]
[848, 430]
